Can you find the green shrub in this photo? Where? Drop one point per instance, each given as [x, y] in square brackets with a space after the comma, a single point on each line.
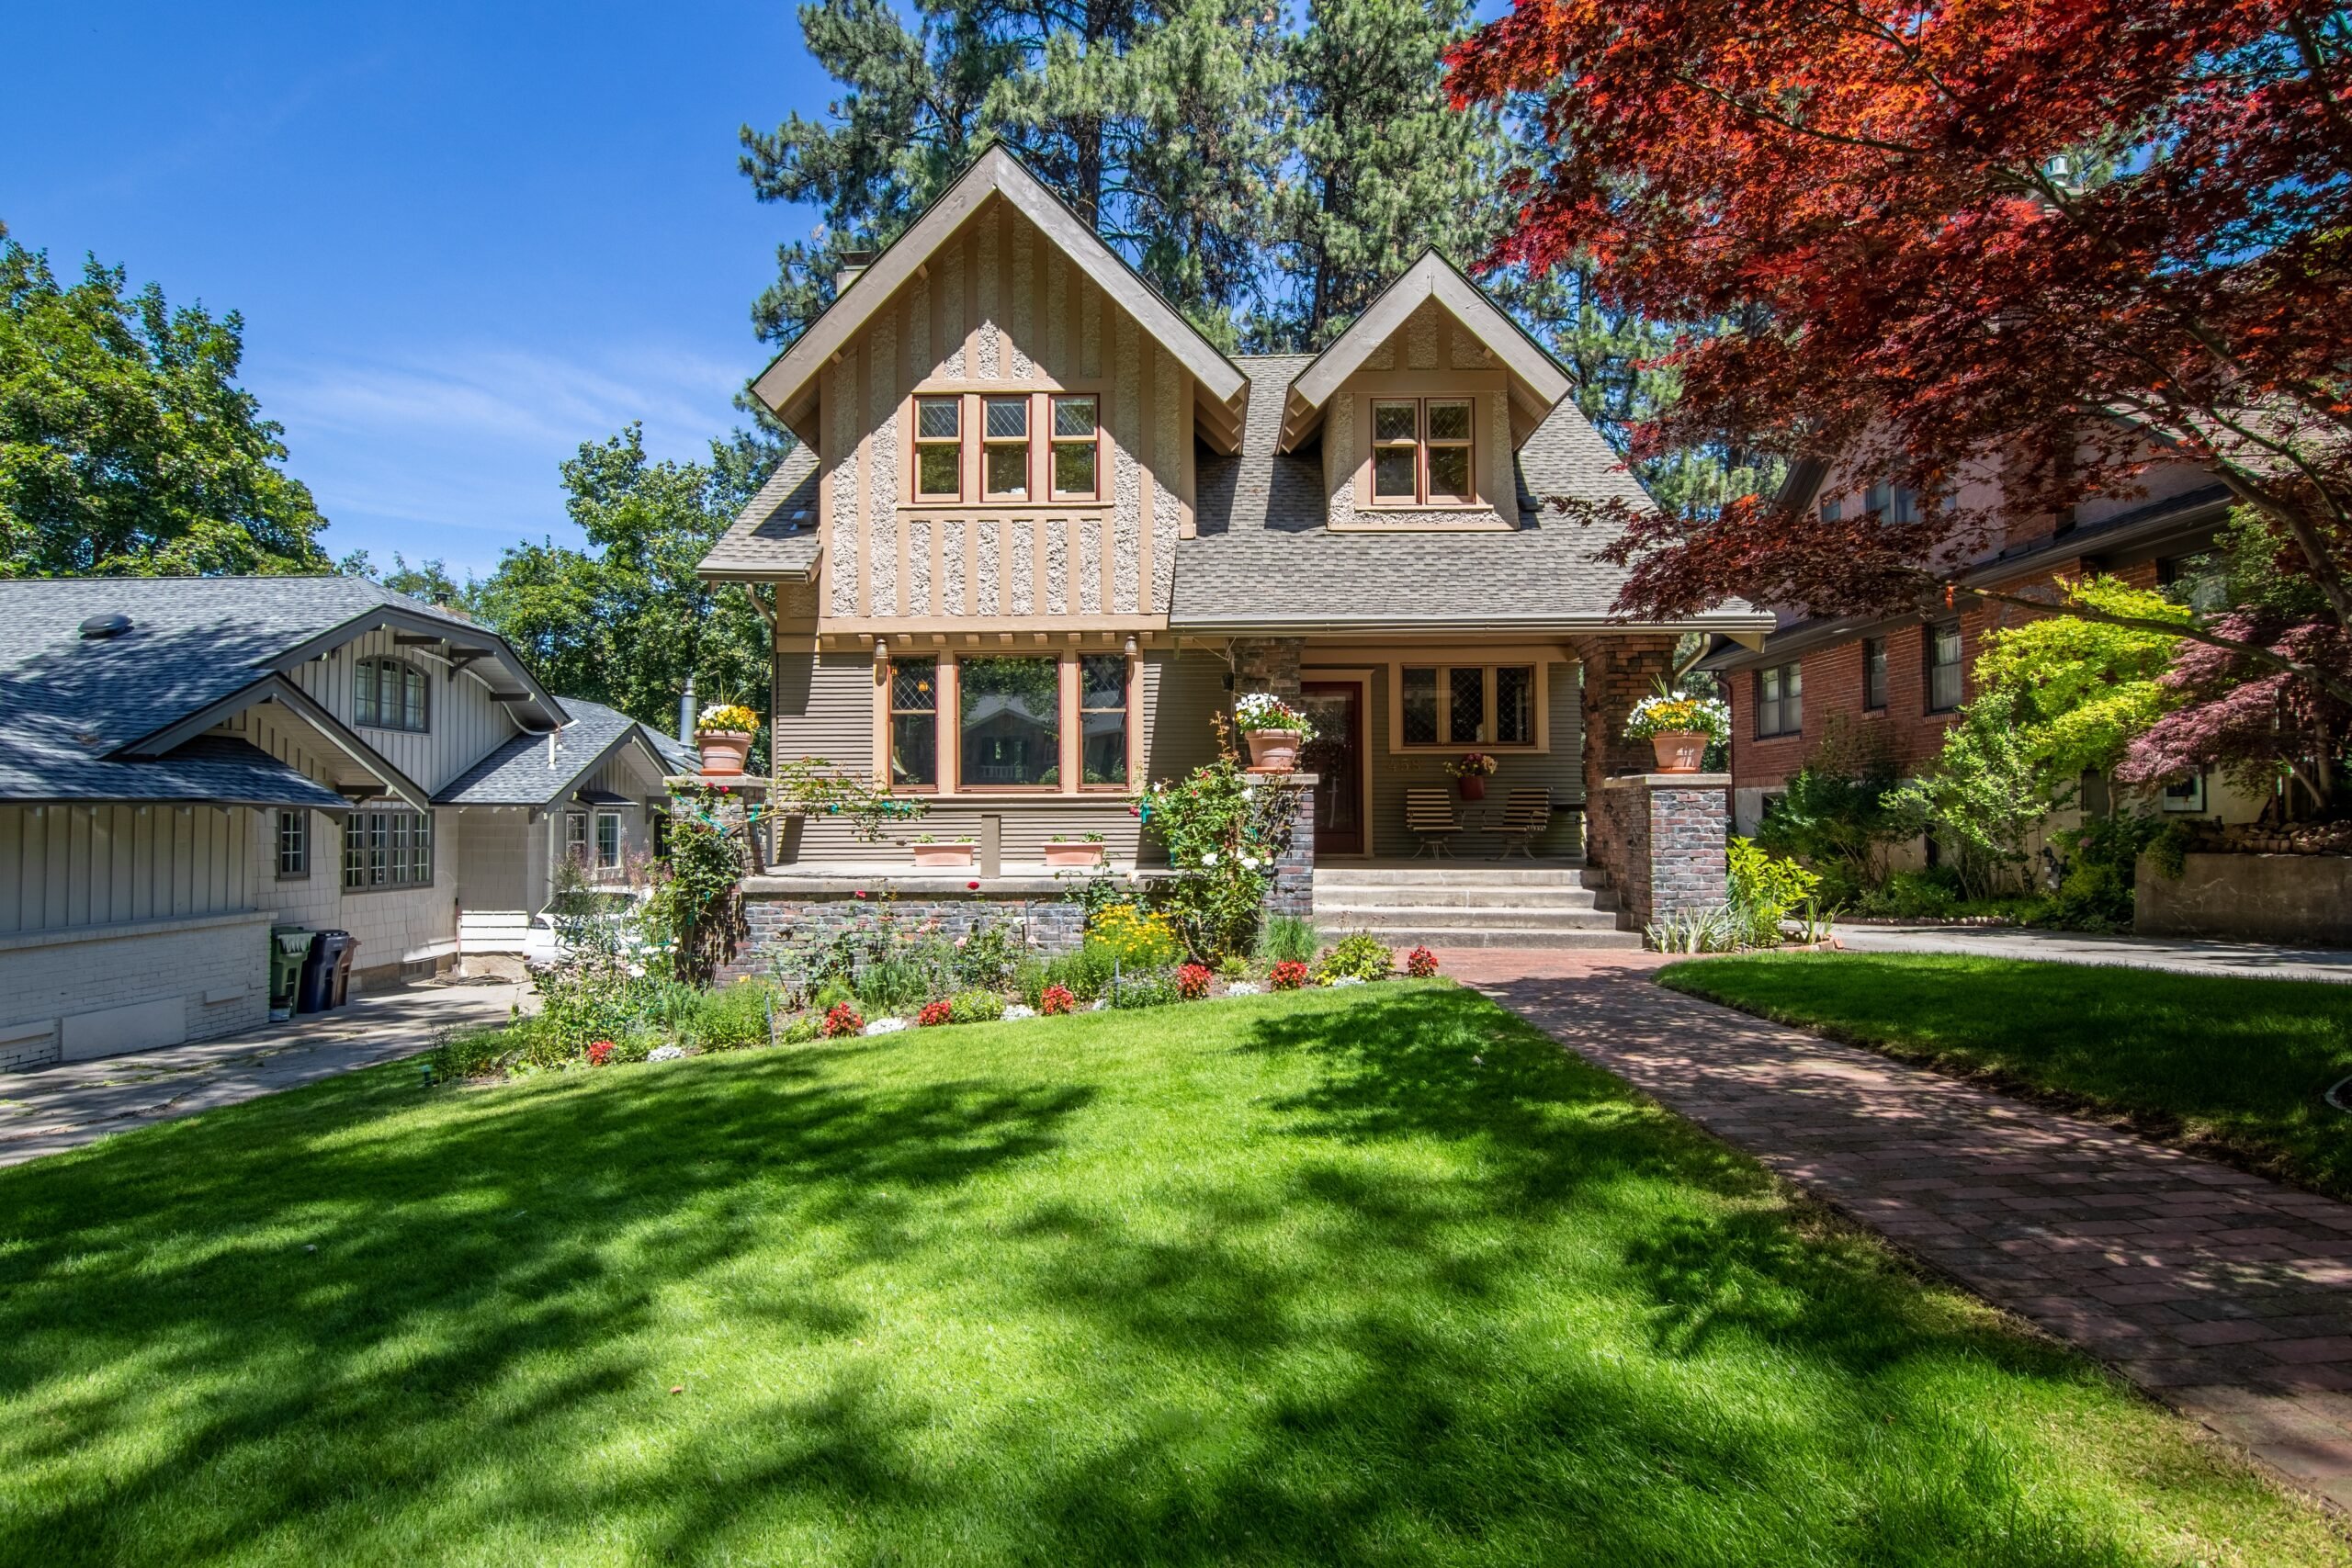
[731, 1017]
[1085, 973]
[831, 994]
[802, 1029]
[1287, 939]
[1713, 929]
[976, 1007]
[1931, 895]
[1029, 979]
[1151, 989]
[472, 1053]
[899, 986]
[1139, 940]
[1764, 890]
[1359, 955]
[988, 956]
[1232, 968]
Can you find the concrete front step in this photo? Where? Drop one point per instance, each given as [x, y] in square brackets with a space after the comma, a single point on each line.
[1440, 896]
[1457, 874]
[1336, 911]
[1490, 936]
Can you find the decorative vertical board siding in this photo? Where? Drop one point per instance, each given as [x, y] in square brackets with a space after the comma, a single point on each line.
[1000, 304]
[464, 722]
[69, 865]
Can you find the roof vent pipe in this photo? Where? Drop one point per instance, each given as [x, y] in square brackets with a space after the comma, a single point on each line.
[686, 712]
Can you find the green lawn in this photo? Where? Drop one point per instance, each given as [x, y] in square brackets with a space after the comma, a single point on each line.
[1368, 1277]
[2231, 1065]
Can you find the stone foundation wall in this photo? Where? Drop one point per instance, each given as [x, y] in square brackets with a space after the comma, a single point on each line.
[2302, 899]
[1671, 831]
[789, 918]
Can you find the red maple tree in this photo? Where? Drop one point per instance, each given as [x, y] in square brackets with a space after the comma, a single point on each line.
[2071, 237]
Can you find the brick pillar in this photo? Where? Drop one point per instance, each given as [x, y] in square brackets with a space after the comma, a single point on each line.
[1670, 831]
[1291, 889]
[1619, 670]
[1267, 664]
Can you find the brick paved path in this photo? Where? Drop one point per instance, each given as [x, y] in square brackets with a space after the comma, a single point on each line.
[2221, 1294]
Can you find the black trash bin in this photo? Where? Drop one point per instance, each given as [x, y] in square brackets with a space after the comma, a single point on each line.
[326, 974]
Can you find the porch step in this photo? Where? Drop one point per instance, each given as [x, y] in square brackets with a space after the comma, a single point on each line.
[1440, 894]
[1413, 917]
[1471, 904]
[1461, 873]
[1493, 936]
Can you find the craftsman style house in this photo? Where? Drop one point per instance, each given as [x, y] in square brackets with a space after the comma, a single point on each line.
[186, 762]
[1039, 532]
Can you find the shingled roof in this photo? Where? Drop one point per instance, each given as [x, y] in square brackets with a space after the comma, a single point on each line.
[776, 536]
[529, 770]
[1265, 558]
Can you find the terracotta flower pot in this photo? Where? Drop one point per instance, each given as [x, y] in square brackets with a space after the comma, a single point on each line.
[1679, 751]
[1068, 855]
[1474, 786]
[944, 854]
[1273, 751]
[724, 751]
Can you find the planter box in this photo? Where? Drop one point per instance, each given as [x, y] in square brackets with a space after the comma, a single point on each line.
[2300, 899]
[1068, 856]
[944, 856]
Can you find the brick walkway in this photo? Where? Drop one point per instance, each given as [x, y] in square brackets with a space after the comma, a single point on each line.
[2221, 1294]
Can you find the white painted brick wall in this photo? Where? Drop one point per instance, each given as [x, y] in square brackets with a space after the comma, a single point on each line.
[118, 967]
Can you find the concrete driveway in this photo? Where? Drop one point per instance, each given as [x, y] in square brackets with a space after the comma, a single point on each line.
[2181, 955]
[79, 1102]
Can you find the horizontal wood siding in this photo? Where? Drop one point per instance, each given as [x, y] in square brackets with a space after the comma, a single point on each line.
[1562, 769]
[465, 724]
[1182, 694]
[63, 867]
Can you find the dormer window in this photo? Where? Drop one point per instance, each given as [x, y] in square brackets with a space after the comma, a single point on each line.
[1421, 452]
[388, 694]
[939, 448]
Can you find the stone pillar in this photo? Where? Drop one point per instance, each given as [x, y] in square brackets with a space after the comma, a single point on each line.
[1619, 670]
[1291, 889]
[1670, 832]
[1267, 664]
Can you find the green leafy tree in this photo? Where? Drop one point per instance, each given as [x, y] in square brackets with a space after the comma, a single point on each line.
[625, 620]
[1982, 796]
[428, 581]
[126, 446]
[2083, 691]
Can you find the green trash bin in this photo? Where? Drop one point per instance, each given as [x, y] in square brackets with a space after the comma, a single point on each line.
[288, 946]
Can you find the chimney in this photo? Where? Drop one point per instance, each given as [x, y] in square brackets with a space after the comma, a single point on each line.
[686, 712]
[853, 262]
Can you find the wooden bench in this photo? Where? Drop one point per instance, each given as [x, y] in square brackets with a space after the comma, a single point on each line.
[1428, 814]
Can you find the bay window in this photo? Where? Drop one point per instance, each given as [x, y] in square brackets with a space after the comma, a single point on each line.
[1468, 705]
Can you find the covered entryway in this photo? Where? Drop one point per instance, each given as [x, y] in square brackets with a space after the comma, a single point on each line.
[1336, 757]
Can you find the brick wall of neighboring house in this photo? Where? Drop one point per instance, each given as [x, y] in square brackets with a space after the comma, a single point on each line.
[71, 994]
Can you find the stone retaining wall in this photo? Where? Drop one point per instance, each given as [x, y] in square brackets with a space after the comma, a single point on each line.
[2302, 899]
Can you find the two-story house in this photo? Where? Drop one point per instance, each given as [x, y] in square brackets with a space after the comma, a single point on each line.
[185, 762]
[1039, 531]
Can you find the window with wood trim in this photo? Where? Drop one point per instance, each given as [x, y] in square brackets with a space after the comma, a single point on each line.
[1422, 452]
[1008, 722]
[1780, 700]
[939, 448]
[1893, 502]
[914, 723]
[389, 693]
[387, 849]
[1102, 720]
[608, 841]
[293, 844]
[1944, 683]
[1005, 459]
[1873, 672]
[1467, 704]
[1077, 442]
[575, 837]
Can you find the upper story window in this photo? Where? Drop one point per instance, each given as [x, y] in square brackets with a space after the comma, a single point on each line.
[388, 694]
[1943, 667]
[939, 448]
[1833, 508]
[1008, 440]
[1873, 672]
[1780, 700]
[1422, 453]
[1893, 502]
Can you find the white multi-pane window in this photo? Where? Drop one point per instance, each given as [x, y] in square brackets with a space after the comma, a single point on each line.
[608, 839]
[293, 844]
[387, 849]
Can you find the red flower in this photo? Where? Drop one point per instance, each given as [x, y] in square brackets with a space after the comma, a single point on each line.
[1057, 999]
[1287, 977]
[859, 894]
[933, 1014]
[1421, 964]
[1192, 982]
[973, 885]
[600, 1053]
[843, 1021]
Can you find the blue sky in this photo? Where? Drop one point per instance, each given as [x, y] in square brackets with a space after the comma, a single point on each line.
[465, 238]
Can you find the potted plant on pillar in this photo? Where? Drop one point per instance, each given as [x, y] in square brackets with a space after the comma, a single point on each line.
[1471, 771]
[1678, 727]
[724, 734]
[1275, 731]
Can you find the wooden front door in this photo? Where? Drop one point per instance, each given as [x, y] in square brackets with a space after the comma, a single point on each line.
[1336, 757]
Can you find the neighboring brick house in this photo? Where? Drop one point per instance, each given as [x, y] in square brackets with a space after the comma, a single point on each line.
[1896, 682]
[1039, 532]
[186, 761]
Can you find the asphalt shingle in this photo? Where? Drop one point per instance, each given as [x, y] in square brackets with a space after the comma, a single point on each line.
[776, 531]
[526, 772]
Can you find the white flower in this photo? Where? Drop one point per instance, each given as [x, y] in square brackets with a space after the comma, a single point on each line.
[1243, 988]
[1209, 858]
[1099, 1003]
[1250, 862]
[886, 1026]
[665, 1052]
[1345, 980]
[1018, 1011]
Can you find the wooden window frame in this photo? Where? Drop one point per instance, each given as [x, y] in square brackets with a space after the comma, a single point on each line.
[1422, 444]
[1054, 441]
[400, 851]
[948, 727]
[1028, 441]
[1490, 712]
[370, 674]
[1065, 700]
[942, 686]
[1789, 682]
[919, 441]
[1075, 674]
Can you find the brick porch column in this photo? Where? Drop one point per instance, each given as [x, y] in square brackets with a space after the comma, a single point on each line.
[1619, 670]
[1267, 664]
[1670, 832]
[1291, 889]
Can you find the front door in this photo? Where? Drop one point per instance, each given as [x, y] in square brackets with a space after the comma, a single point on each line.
[1336, 757]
